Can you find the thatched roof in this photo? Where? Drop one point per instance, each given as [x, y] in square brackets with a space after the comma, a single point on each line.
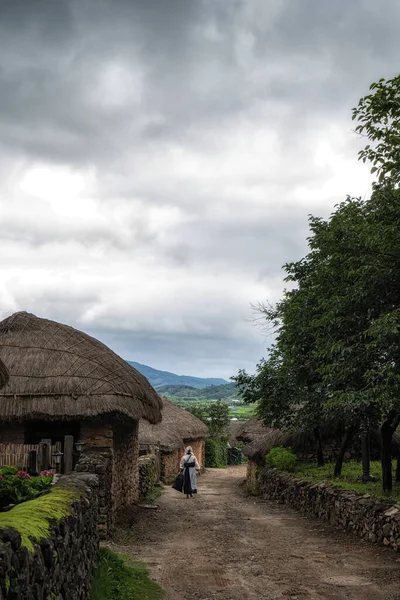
[178, 426]
[259, 440]
[232, 429]
[250, 430]
[57, 372]
[4, 374]
[259, 447]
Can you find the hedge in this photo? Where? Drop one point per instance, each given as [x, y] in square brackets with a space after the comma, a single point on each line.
[216, 454]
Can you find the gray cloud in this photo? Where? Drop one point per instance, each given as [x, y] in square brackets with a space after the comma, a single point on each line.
[158, 160]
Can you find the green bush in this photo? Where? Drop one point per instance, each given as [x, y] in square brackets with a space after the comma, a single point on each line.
[216, 453]
[281, 458]
[17, 486]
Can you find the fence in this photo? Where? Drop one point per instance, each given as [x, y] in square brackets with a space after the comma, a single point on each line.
[34, 457]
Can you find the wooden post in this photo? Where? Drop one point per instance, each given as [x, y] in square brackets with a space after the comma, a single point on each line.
[68, 453]
[32, 462]
[45, 455]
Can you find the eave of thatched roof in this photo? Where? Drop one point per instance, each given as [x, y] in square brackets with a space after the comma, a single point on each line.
[261, 445]
[58, 372]
[248, 431]
[232, 429]
[178, 426]
[4, 374]
[259, 439]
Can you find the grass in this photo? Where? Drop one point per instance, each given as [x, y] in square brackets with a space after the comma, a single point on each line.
[349, 478]
[32, 518]
[116, 579]
[154, 494]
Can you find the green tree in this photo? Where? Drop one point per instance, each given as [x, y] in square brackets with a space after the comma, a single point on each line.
[214, 414]
[378, 114]
[337, 348]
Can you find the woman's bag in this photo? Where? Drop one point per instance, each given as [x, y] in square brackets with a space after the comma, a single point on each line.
[178, 483]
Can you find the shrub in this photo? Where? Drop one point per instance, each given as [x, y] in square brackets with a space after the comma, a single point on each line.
[17, 486]
[216, 453]
[281, 458]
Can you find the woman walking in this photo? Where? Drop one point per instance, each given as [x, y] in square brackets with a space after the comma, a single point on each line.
[189, 468]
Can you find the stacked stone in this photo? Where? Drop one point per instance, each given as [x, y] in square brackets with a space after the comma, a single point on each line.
[147, 474]
[62, 565]
[376, 521]
[101, 463]
[126, 465]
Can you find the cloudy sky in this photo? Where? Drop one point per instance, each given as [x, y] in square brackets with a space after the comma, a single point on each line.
[159, 158]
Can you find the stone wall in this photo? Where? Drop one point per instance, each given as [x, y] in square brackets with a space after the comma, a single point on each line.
[252, 482]
[371, 519]
[169, 466]
[147, 475]
[101, 463]
[60, 566]
[126, 464]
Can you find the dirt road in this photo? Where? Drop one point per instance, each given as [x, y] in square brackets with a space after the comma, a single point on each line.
[223, 545]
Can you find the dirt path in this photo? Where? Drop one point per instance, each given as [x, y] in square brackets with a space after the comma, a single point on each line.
[222, 545]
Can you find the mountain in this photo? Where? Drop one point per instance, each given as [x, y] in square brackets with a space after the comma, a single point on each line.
[159, 378]
[225, 391]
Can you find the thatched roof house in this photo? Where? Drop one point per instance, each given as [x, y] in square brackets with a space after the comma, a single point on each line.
[178, 428]
[232, 429]
[260, 446]
[68, 389]
[259, 439]
[57, 371]
[250, 430]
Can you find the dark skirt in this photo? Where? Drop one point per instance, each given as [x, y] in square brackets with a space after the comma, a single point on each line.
[187, 484]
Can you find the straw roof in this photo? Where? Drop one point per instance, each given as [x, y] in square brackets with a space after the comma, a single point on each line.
[232, 429]
[177, 427]
[4, 375]
[260, 446]
[59, 372]
[250, 430]
[258, 439]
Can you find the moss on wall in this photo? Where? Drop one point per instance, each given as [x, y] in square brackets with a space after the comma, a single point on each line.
[31, 519]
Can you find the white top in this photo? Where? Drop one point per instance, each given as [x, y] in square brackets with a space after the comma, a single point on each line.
[188, 458]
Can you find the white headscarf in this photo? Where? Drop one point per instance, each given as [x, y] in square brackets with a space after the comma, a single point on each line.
[189, 450]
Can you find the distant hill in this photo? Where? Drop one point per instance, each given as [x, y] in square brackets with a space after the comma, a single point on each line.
[211, 392]
[161, 378]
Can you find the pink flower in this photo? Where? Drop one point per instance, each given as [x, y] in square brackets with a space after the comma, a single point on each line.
[23, 475]
[1, 478]
[47, 473]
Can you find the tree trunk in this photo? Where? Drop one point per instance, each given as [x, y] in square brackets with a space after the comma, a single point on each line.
[366, 464]
[345, 442]
[398, 466]
[387, 430]
[320, 454]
